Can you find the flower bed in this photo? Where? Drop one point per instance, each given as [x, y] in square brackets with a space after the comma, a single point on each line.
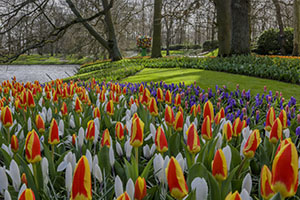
[103, 140]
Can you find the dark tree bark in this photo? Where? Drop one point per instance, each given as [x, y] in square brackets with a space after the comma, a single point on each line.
[111, 43]
[296, 50]
[240, 43]
[156, 45]
[224, 26]
[281, 28]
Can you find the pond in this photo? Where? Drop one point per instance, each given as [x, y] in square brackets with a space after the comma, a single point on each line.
[42, 73]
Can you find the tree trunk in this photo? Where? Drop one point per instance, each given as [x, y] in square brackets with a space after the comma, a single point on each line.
[240, 43]
[296, 50]
[281, 28]
[114, 52]
[224, 26]
[156, 45]
[110, 45]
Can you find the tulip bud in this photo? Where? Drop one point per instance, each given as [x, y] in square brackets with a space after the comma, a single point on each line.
[53, 133]
[266, 190]
[176, 181]
[14, 143]
[206, 130]
[285, 170]
[146, 97]
[27, 194]
[217, 118]
[119, 131]
[110, 108]
[40, 124]
[6, 117]
[82, 182]
[193, 111]
[90, 131]
[252, 144]
[227, 131]
[193, 142]
[140, 188]
[24, 179]
[64, 109]
[169, 116]
[160, 96]
[168, 97]
[153, 107]
[219, 166]
[234, 196]
[30, 100]
[270, 119]
[177, 100]
[160, 140]
[32, 147]
[141, 89]
[105, 140]
[74, 139]
[124, 196]
[283, 119]
[237, 127]
[78, 107]
[102, 96]
[208, 110]
[178, 123]
[137, 132]
[276, 132]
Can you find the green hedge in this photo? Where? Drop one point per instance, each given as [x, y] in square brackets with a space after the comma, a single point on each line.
[281, 69]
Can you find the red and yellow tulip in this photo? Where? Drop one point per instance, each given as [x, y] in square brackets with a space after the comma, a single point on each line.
[110, 107]
[276, 132]
[169, 116]
[161, 140]
[137, 132]
[90, 131]
[64, 109]
[168, 97]
[32, 147]
[40, 124]
[177, 100]
[285, 170]
[14, 143]
[78, 106]
[176, 181]
[283, 119]
[193, 142]
[140, 190]
[227, 131]
[237, 127]
[252, 144]
[105, 140]
[234, 196]
[6, 117]
[153, 107]
[160, 95]
[266, 190]
[53, 133]
[30, 100]
[119, 130]
[178, 123]
[27, 194]
[82, 182]
[124, 196]
[270, 119]
[219, 166]
[208, 110]
[206, 130]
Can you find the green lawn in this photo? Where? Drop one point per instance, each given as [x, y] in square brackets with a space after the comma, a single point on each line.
[210, 79]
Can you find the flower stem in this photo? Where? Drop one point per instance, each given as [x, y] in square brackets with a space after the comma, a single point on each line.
[52, 152]
[8, 135]
[35, 174]
[136, 157]
[241, 167]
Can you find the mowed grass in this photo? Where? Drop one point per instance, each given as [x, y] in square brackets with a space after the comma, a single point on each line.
[209, 79]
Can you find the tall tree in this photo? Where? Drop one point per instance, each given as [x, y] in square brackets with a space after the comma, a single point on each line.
[296, 50]
[111, 44]
[240, 43]
[224, 25]
[280, 25]
[156, 44]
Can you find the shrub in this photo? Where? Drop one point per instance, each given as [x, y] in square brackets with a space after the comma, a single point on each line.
[210, 45]
[268, 42]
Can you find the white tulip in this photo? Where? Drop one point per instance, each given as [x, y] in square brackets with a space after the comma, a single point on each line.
[286, 132]
[68, 177]
[96, 136]
[14, 173]
[185, 128]
[128, 125]
[128, 148]
[152, 150]
[97, 173]
[187, 121]
[4, 181]
[118, 186]
[72, 122]
[166, 162]
[245, 195]
[227, 153]
[29, 127]
[201, 188]
[181, 162]
[49, 115]
[153, 131]
[7, 149]
[133, 108]
[45, 170]
[7, 195]
[247, 183]
[158, 163]
[119, 149]
[130, 188]
[80, 137]
[61, 127]
[111, 156]
[89, 158]
[146, 151]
